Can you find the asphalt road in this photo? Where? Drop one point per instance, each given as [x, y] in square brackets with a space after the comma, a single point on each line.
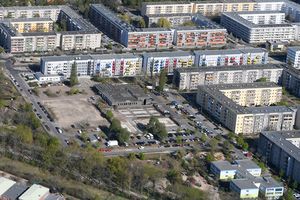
[23, 89]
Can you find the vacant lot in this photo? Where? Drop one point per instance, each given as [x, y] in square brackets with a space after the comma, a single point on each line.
[74, 111]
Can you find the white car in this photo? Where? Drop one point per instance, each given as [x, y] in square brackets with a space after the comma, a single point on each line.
[141, 147]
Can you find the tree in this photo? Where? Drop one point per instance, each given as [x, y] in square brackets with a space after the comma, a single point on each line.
[231, 136]
[156, 128]
[188, 23]
[263, 79]
[173, 176]
[125, 18]
[162, 80]
[2, 50]
[109, 115]
[203, 138]
[117, 132]
[164, 23]
[24, 133]
[213, 144]
[288, 195]
[142, 23]
[73, 76]
[209, 157]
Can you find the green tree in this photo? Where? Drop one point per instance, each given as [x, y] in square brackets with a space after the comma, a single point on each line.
[142, 23]
[24, 133]
[141, 156]
[188, 23]
[173, 176]
[125, 18]
[109, 115]
[209, 157]
[263, 79]
[230, 136]
[73, 76]
[162, 80]
[203, 138]
[213, 143]
[288, 195]
[2, 50]
[164, 23]
[156, 128]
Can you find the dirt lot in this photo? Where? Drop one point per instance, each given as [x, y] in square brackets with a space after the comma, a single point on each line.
[74, 111]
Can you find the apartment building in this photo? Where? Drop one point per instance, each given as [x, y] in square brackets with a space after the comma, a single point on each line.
[191, 78]
[259, 26]
[246, 179]
[154, 63]
[51, 12]
[202, 35]
[213, 8]
[110, 65]
[293, 57]
[28, 29]
[175, 20]
[228, 57]
[291, 80]
[280, 149]
[245, 107]
[30, 24]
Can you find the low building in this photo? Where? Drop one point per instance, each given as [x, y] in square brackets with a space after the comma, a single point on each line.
[291, 80]
[246, 180]
[175, 20]
[5, 184]
[48, 78]
[280, 149]
[245, 108]
[191, 78]
[154, 63]
[293, 57]
[35, 192]
[123, 96]
[14, 192]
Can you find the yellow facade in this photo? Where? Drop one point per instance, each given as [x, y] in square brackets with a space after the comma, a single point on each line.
[33, 26]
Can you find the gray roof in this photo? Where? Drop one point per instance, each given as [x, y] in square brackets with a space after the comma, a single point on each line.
[268, 182]
[167, 54]
[214, 90]
[229, 68]
[55, 197]
[15, 191]
[236, 165]
[121, 93]
[231, 51]
[236, 16]
[280, 139]
[244, 184]
[293, 71]
[87, 57]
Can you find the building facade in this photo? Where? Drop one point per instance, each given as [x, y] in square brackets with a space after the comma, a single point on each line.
[154, 63]
[259, 26]
[245, 108]
[112, 65]
[280, 150]
[250, 56]
[191, 78]
[293, 57]
[291, 80]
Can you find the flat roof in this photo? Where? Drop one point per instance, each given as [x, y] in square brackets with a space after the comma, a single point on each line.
[35, 192]
[88, 57]
[167, 54]
[244, 184]
[5, 184]
[279, 138]
[15, 191]
[236, 16]
[231, 51]
[229, 68]
[214, 90]
[121, 93]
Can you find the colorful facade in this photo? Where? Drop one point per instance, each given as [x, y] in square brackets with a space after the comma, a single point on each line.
[154, 63]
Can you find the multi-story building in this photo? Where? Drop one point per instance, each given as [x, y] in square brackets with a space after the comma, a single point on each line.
[246, 179]
[249, 56]
[245, 108]
[291, 80]
[154, 63]
[280, 149]
[28, 25]
[175, 20]
[202, 35]
[216, 8]
[293, 57]
[112, 65]
[259, 26]
[28, 29]
[191, 78]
